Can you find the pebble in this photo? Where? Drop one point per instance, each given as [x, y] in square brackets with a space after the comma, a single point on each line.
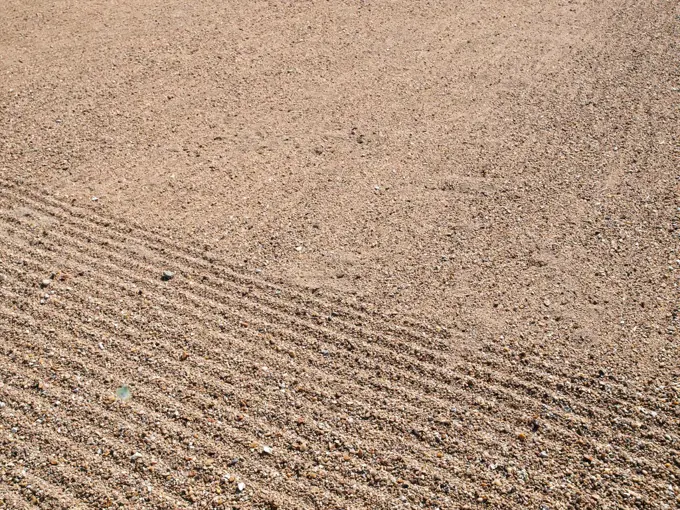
[123, 393]
[267, 449]
[167, 275]
[135, 456]
[241, 486]
[45, 283]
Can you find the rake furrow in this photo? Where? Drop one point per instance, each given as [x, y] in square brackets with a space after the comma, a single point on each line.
[503, 392]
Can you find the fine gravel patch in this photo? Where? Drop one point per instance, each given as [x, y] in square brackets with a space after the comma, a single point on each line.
[345, 254]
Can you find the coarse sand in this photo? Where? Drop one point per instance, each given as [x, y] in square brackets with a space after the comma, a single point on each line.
[339, 254]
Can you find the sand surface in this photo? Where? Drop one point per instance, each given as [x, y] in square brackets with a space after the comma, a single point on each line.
[423, 254]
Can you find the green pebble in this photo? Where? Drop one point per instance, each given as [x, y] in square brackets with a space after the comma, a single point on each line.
[123, 393]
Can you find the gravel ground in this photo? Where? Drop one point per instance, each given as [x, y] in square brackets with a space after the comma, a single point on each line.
[337, 255]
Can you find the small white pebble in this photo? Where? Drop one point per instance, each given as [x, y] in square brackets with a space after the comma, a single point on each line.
[241, 486]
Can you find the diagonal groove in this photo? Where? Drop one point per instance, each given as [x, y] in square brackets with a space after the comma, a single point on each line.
[216, 388]
[133, 424]
[423, 355]
[502, 392]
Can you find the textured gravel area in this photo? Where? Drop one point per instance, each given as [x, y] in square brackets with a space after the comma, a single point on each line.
[339, 254]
